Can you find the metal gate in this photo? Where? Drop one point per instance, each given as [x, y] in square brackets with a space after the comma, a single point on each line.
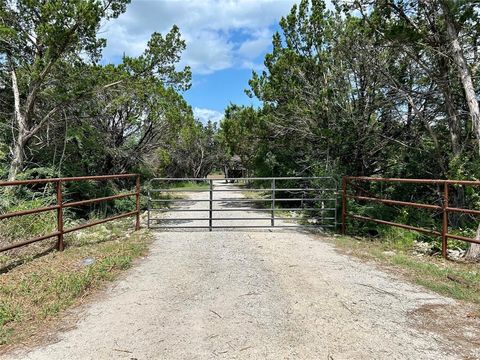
[286, 202]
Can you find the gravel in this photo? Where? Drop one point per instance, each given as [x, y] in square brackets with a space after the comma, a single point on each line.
[281, 294]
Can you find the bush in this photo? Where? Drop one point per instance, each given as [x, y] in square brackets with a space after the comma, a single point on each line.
[28, 226]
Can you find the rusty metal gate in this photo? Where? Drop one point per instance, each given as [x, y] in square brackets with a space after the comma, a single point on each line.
[227, 203]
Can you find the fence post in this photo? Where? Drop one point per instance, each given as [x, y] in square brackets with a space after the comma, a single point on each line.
[137, 196]
[148, 207]
[445, 220]
[60, 244]
[210, 220]
[344, 205]
[272, 220]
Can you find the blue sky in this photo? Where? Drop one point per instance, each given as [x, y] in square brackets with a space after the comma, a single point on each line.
[226, 40]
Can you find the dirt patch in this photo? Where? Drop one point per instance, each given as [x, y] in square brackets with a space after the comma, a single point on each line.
[458, 324]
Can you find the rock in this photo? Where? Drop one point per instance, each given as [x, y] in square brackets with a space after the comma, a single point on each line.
[455, 254]
[88, 261]
[422, 247]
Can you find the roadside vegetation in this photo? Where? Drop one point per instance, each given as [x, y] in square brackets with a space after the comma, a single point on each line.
[35, 290]
[369, 88]
[404, 254]
[173, 186]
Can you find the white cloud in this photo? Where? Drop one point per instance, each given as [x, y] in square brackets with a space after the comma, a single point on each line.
[204, 115]
[207, 52]
[220, 34]
[255, 46]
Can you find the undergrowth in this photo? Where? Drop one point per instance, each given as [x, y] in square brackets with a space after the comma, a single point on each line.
[40, 288]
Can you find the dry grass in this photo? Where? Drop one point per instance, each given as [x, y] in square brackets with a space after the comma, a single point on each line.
[457, 279]
[40, 288]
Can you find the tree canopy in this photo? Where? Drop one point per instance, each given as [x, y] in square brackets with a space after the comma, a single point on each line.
[371, 88]
[67, 114]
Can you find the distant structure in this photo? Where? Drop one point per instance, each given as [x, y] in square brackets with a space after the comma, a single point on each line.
[234, 169]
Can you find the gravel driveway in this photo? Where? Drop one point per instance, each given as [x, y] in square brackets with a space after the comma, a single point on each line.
[281, 294]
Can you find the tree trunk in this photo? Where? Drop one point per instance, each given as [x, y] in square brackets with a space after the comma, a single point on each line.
[17, 158]
[473, 252]
[22, 136]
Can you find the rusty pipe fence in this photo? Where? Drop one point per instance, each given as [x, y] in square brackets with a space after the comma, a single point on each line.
[60, 205]
[444, 208]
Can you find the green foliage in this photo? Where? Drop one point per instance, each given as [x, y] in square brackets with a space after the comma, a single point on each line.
[356, 94]
[25, 227]
[89, 118]
[368, 89]
[240, 133]
[195, 152]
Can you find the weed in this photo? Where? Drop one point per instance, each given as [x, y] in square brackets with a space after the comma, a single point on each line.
[43, 287]
[456, 279]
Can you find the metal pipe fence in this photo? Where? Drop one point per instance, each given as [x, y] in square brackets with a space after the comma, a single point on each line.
[310, 195]
[60, 205]
[445, 209]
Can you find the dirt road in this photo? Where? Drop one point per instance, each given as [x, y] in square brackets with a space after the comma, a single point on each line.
[251, 295]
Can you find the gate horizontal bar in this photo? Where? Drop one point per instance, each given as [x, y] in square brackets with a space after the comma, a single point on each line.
[240, 226]
[464, 238]
[232, 218]
[276, 189]
[97, 200]
[238, 190]
[111, 218]
[67, 179]
[462, 210]
[238, 200]
[244, 209]
[23, 243]
[214, 219]
[245, 178]
[415, 181]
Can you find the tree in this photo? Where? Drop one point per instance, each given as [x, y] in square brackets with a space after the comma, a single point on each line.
[436, 36]
[195, 151]
[373, 88]
[124, 107]
[465, 12]
[36, 37]
[241, 133]
[325, 107]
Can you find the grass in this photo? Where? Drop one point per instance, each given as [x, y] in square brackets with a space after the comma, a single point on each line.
[457, 279]
[203, 185]
[27, 226]
[38, 290]
[267, 194]
[172, 194]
